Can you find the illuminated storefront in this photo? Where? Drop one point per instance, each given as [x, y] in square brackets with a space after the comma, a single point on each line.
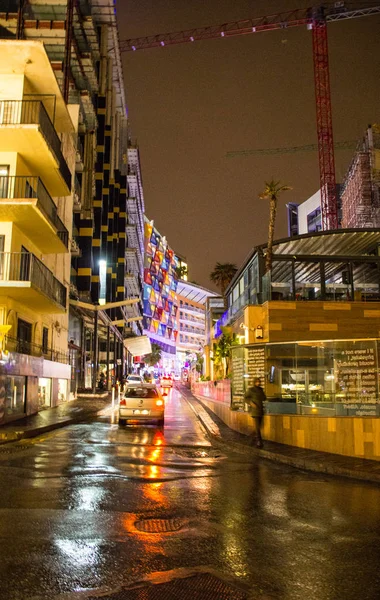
[311, 330]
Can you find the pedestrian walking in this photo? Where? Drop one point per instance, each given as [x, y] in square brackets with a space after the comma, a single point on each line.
[255, 397]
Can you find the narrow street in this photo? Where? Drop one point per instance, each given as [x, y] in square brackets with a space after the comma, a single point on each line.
[92, 509]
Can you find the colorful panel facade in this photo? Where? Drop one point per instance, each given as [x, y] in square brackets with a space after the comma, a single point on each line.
[160, 286]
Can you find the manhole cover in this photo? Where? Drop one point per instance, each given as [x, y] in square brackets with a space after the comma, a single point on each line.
[158, 525]
[198, 587]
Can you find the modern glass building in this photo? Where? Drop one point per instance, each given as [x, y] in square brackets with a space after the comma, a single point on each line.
[310, 329]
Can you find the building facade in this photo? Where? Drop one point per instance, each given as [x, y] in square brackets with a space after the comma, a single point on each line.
[311, 331]
[101, 169]
[191, 339]
[37, 160]
[160, 295]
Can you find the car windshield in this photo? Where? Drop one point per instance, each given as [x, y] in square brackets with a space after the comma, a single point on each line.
[142, 393]
[134, 378]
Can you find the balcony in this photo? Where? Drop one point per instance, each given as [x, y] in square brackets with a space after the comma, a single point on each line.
[25, 278]
[132, 285]
[26, 202]
[131, 261]
[24, 347]
[25, 127]
[132, 238]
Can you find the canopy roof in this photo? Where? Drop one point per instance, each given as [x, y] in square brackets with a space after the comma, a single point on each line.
[193, 292]
[138, 346]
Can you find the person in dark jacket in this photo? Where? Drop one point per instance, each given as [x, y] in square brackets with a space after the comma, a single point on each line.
[255, 397]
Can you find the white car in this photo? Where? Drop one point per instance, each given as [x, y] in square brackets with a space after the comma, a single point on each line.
[142, 403]
[134, 380]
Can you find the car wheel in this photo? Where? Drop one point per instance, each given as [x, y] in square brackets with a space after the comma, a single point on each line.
[122, 422]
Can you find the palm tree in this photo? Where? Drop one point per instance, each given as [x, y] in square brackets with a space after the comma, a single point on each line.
[222, 351]
[222, 275]
[271, 192]
[181, 271]
[155, 356]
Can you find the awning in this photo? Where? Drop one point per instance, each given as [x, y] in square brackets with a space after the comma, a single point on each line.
[138, 346]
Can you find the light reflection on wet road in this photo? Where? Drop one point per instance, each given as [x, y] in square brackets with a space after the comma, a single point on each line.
[69, 502]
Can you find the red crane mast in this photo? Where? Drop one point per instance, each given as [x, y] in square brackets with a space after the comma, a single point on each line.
[315, 18]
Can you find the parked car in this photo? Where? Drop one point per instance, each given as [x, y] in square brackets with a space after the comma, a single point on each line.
[134, 380]
[142, 403]
[166, 381]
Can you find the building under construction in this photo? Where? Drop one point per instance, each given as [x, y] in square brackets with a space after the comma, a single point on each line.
[107, 240]
[360, 189]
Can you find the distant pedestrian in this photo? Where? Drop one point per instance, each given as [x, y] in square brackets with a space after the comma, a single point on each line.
[255, 397]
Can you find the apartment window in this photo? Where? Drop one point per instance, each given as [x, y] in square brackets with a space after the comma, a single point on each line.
[24, 337]
[4, 181]
[45, 339]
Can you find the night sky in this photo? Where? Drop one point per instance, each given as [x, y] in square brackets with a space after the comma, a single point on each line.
[190, 104]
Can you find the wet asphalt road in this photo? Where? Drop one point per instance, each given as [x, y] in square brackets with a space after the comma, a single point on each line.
[69, 502]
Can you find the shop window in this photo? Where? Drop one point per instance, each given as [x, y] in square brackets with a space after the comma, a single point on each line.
[15, 395]
[44, 392]
[45, 340]
[62, 390]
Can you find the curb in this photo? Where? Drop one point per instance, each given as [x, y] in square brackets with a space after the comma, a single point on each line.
[16, 436]
[299, 463]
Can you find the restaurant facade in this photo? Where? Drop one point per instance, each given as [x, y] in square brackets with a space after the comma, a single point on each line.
[311, 330]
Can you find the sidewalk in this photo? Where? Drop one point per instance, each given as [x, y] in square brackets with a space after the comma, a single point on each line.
[310, 460]
[53, 418]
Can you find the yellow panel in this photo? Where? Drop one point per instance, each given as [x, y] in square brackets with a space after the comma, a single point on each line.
[106, 191]
[358, 437]
[106, 166]
[123, 190]
[336, 306]
[100, 148]
[121, 260]
[376, 436]
[275, 326]
[323, 327]
[286, 422]
[109, 238]
[101, 111]
[98, 176]
[110, 215]
[122, 235]
[120, 288]
[372, 314]
[95, 278]
[116, 209]
[282, 305]
[113, 275]
[122, 214]
[300, 438]
[84, 271]
[86, 231]
[331, 425]
[104, 227]
[96, 243]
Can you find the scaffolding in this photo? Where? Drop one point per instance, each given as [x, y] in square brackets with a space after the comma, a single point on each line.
[360, 189]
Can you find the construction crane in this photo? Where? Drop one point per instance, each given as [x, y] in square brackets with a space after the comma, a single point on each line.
[316, 19]
[347, 145]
